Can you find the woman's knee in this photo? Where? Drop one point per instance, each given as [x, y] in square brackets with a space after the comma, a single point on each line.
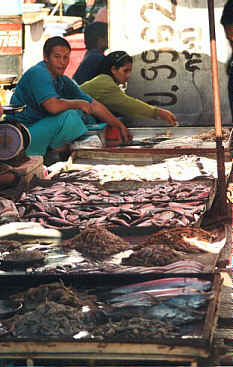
[71, 114]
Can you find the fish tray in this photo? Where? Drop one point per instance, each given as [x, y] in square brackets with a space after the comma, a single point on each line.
[121, 176]
[142, 230]
[142, 154]
[64, 263]
[190, 348]
[103, 203]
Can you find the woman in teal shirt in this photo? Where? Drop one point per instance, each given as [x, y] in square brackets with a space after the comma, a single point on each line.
[56, 109]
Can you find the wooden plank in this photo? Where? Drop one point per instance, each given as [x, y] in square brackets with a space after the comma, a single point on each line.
[225, 255]
[224, 333]
[213, 310]
[102, 350]
[226, 299]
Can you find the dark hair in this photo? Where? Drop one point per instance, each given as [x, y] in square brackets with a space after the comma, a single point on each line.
[93, 32]
[227, 14]
[52, 42]
[117, 59]
[77, 9]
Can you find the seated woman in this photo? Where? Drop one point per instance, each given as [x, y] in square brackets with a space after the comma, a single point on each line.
[57, 111]
[105, 88]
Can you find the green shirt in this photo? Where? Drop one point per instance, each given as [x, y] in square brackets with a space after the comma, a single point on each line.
[105, 90]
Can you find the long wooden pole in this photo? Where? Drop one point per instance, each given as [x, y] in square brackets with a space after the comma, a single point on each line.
[217, 113]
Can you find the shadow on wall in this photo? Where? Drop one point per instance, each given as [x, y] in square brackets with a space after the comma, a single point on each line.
[180, 82]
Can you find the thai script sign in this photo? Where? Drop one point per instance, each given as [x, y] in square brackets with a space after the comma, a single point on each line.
[170, 43]
[11, 39]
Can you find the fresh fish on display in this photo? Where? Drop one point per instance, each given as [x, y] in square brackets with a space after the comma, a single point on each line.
[181, 282]
[190, 301]
[150, 297]
[174, 315]
[143, 303]
[58, 204]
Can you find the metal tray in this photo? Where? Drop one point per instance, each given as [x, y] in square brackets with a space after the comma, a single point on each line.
[12, 109]
[66, 264]
[190, 348]
[158, 151]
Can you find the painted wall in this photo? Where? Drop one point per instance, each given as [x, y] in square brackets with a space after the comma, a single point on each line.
[169, 40]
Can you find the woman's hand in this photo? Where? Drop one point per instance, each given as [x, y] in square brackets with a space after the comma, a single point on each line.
[100, 111]
[1, 111]
[167, 116]
[125, 134]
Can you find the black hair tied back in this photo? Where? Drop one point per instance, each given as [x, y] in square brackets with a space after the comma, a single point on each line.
[117, 59]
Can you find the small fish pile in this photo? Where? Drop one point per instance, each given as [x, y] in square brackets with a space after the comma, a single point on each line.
[9, 245]
[170, 245]
[135, 329]
[58, 293]
[19, 255]
[98, 243]
[210, 135]
[186, 239]
[158, 255]
[54, 310]
[49, 319]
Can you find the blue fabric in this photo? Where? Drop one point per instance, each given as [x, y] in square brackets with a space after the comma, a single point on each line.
[89, 67]
[36, 86]
[56, 131]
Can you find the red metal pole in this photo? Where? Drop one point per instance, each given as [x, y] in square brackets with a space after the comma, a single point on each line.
[217, 113]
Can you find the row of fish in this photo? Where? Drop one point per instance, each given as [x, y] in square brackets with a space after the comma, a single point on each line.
[81, 193]
[58, 214]
[177, 300]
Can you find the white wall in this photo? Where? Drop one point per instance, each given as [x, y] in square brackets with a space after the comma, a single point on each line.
[171, 49]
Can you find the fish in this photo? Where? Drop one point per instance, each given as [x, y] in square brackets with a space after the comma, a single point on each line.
[150, 297]
[174, 315]
[194, 301]
[165, 283]
[180, 309]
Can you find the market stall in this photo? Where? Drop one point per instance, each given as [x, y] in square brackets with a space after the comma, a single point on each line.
[67, 247]
[105, 261]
